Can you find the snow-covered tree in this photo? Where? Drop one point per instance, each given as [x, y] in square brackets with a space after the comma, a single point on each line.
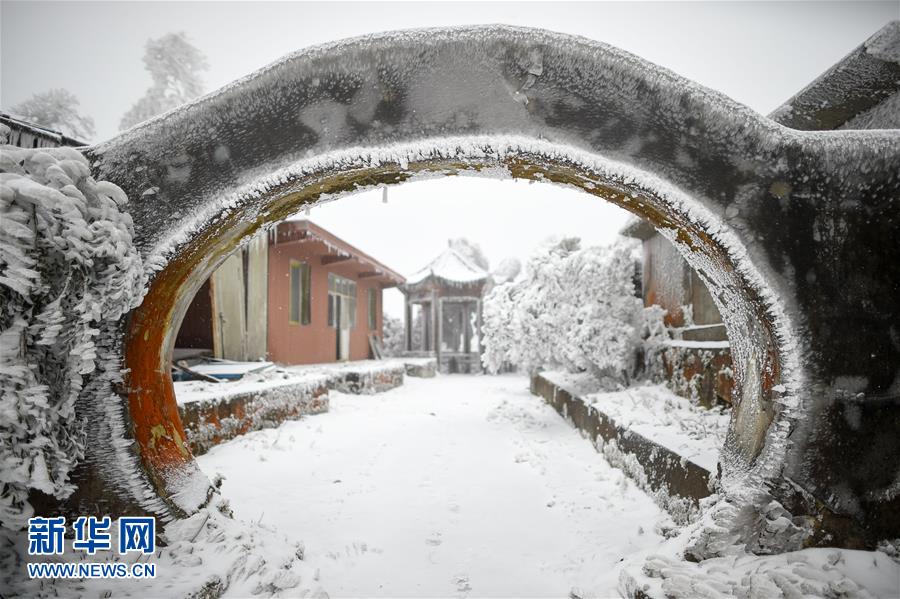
[471, 251]
[394, 334]
[521, 318]
[500, 329]
[56, 109]
[507, 270]
[573, 308]
[602, 332]
[542, 306]
[174, 65]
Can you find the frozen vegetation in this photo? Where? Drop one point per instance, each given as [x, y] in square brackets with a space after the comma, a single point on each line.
[56, 109]
[394, 335]
[174, 65]
[68, 266]
[573, 308]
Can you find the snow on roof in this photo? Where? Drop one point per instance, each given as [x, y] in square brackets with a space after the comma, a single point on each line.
[17, 123]
[638, 228]
[450, 266]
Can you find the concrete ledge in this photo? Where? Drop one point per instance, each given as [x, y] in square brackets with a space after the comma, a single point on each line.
[216, 413]
[359, 378]
[369, 380]
[208, 422]
[425, 368]
[677, 483]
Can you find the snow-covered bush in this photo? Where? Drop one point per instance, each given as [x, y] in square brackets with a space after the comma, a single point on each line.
[573, 308]
[507, 270]
[67, 264]
[603, 332]
[499, 329]
[394, 334]
[654, 342]
[542, 307]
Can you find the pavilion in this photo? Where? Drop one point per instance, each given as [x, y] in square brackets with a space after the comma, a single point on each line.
[444, 311]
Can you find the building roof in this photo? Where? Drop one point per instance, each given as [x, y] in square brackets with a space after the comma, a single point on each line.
[638, 228]
[451, 267]
[852, 93]
[336, 251]
[21, 125]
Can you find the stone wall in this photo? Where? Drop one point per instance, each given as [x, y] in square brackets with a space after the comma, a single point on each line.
[676, 484]
[210, 422]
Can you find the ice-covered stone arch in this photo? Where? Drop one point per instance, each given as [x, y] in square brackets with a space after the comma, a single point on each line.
[752, 206]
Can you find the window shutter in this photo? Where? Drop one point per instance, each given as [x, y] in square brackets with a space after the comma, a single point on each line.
[306, 308]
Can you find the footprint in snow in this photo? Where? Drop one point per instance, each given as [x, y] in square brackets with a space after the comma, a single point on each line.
[462, 583]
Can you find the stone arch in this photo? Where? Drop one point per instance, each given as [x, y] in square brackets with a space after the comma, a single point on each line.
[737, 193]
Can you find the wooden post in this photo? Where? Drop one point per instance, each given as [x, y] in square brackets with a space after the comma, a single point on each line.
[407, 325]
[436, 312]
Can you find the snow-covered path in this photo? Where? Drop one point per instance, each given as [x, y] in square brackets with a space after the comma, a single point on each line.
[453, 486]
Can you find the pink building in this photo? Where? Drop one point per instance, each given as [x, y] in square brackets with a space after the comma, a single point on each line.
[295, 295]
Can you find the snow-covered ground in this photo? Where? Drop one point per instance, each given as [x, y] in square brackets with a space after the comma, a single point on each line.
[456, 486]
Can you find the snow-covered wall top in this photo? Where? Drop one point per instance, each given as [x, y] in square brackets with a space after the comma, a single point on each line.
[795, 233]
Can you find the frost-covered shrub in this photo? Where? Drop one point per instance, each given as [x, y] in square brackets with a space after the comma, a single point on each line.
[498, 329]
[394, 334]
[67, 264]
[655, 339]
[603, 332]
[507, 270]
[573, 308]
[541, 307]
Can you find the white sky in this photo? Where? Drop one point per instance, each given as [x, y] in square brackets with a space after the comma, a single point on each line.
[759, 53]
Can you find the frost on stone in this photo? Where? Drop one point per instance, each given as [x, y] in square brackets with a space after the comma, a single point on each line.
[885, 44]
[67, 267]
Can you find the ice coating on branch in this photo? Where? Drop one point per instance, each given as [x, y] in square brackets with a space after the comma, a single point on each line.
[67, 266]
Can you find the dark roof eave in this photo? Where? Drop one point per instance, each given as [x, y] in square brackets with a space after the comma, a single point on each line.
[442, 281]
[328, 237]
[58, 136]
[638, 228]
